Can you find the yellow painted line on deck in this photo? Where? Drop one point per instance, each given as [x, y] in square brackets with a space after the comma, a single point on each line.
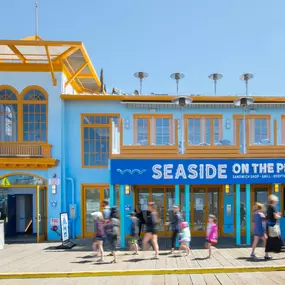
[215, 270]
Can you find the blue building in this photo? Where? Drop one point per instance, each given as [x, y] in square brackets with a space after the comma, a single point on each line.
[66, 145]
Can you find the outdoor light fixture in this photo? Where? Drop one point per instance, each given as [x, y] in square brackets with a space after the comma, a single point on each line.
[243, 103]
[227, 188]
[127, 189]
[276, 188]
[53, 188]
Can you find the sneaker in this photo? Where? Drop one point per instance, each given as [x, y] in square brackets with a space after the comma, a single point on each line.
[253, 255]
[267, 257]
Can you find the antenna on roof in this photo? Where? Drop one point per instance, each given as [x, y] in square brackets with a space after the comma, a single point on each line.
[37, 19]
[215, 77]
[246, 77]
[177, 76]
[141, 75]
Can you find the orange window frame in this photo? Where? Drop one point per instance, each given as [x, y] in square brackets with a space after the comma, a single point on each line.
[20, 102]
[151, 131]
[201, 117]
[95, 125]
[282, 129]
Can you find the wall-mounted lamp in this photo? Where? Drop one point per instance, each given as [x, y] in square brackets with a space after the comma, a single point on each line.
[276, 188]
[127, 189]
[53, 188]
[228, 124]
[227, 188]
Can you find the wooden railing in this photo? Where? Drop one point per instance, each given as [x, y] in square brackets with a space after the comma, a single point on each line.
[23, 149]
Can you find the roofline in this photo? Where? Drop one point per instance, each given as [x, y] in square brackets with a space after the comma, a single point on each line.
[39, 43]
[159, 98]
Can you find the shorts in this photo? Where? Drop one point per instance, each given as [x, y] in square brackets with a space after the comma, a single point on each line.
[99, 239]
[187, 243]
[211, 243]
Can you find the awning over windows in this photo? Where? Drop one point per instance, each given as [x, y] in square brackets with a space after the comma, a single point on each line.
[36, 54]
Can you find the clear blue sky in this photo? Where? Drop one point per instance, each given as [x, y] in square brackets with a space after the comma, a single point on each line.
[164, 36]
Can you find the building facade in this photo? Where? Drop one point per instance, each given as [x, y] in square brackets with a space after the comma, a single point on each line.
[66, 145]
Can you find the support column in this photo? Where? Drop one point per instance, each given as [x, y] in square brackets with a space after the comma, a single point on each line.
[238, 214]
[112, 195]
[177, 196]
[248, 211]
[122, 216]
[187, 203]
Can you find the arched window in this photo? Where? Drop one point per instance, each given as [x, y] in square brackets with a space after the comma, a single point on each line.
[8, 115]
[34, 116]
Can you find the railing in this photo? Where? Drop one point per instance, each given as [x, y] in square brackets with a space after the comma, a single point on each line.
[201, 138]
[17, 149]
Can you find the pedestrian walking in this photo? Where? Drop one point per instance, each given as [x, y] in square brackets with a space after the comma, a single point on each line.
[151, 229]
[133, 242]
[259, 227]
[98, 235]
[185, 238]
[139, 214]
[274, 242]
[106, 210]
[176, 221]
[112, 232]
[211, 233]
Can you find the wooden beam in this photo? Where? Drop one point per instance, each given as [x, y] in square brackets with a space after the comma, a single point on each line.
[76, 73]
[51, 66]
[85, 76]
[17, 53]
[66, 54]
[29, 67]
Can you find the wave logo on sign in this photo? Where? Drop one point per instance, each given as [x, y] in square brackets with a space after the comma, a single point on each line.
[131, 171]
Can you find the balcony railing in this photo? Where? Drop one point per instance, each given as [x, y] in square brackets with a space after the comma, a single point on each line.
[23, 149]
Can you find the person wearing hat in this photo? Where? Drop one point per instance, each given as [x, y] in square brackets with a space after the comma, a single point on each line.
[133, 242]
[99, 234]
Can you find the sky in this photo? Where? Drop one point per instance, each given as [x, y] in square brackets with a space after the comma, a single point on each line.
[196, 37]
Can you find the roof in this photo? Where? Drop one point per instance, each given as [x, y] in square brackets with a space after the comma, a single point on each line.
[38, 55]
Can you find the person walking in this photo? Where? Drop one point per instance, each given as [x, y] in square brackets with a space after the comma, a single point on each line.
[139, 214]
[106, 210]
[274, 242]
[133, 243]
[176, 221]
[98, 235]
[185, 238]
[112, 232]
[211, 233]
[151, 229]
[259, 227]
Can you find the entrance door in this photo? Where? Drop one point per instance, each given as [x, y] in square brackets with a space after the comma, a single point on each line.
[261, 194]
[11, 226]
[41, 213]
[204, 202]
[164, 200]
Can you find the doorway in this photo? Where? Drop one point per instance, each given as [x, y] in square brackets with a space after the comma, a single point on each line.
[204, 202]
[164, 200]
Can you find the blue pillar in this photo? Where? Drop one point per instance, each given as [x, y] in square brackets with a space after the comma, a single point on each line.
[248, 211]
[187, 203]
[112, 195]
[177, 200]
[238, 214]
[122, 216]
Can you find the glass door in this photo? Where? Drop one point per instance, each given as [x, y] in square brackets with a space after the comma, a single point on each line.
[41, 196]
[261, 195]
[142, 199]
[158, 198]
[198, 211]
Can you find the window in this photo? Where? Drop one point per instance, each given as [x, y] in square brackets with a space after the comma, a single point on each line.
[259, 130]
[32, 125]
[96, 139]
[153, 130]
[283, 129]
[34, 116]
[8, 115]
[204, 130]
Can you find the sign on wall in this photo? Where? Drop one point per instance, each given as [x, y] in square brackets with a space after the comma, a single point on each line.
[64, 227]
[190, 171]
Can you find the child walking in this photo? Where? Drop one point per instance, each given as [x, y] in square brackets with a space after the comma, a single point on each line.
[185, 237]
[212, 233]
[99, 234]
[259, 227]
[133, 243]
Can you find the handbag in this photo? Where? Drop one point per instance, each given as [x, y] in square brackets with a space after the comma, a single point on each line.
[274, 231]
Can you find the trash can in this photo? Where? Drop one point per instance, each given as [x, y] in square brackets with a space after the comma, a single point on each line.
[2, 235]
